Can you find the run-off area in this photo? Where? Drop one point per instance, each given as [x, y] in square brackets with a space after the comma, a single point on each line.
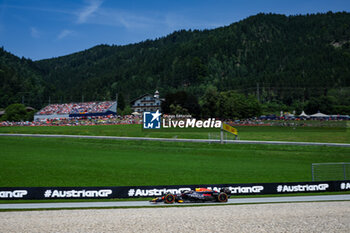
[281, 217]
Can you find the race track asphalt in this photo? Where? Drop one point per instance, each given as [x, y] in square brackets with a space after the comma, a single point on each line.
[118, 204]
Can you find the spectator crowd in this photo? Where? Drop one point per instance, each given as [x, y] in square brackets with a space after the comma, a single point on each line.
[76, 108]
[73, 121]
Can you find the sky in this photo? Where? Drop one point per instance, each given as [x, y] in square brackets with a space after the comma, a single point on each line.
[40, 29]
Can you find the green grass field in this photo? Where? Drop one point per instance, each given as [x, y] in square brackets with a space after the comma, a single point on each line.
[86, 162]
[268, 133]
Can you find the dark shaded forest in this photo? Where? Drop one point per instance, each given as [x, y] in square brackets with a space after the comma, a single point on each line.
[285, 62]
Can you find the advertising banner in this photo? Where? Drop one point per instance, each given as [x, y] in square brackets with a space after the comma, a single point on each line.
[47, 193]
[229, 128]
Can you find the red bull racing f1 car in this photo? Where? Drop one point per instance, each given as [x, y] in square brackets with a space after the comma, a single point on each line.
[197, 195]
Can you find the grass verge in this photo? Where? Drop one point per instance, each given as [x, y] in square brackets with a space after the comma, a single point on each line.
[47, 162]
[264, 133]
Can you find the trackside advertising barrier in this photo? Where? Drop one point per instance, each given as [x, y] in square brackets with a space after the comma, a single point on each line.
[46, 193]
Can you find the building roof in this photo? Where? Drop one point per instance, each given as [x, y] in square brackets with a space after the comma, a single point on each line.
[319, 115]
[140, 97]
[303, 114]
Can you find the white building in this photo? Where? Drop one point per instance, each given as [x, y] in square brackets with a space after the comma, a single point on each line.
[147, 103]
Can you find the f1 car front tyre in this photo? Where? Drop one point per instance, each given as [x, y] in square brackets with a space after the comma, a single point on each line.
[169, 198]
[222, 197]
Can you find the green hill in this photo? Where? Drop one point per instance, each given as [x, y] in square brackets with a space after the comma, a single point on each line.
[293, 59]
[21, 80]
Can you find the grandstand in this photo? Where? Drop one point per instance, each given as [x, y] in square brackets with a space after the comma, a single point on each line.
[85, 109]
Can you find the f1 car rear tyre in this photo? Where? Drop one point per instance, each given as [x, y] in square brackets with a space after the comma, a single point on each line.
[169, 198]
[222, 197]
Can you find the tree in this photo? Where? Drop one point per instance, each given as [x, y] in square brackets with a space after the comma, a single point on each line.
[252, 107]
[127, 111]
[232, 105]
[181, 99]
[177, 109]
[210, 100]
[322, 104]
[15, 112]
[121, 101]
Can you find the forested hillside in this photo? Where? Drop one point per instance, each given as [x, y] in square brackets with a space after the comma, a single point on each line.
[20, 80]
[294, 61]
